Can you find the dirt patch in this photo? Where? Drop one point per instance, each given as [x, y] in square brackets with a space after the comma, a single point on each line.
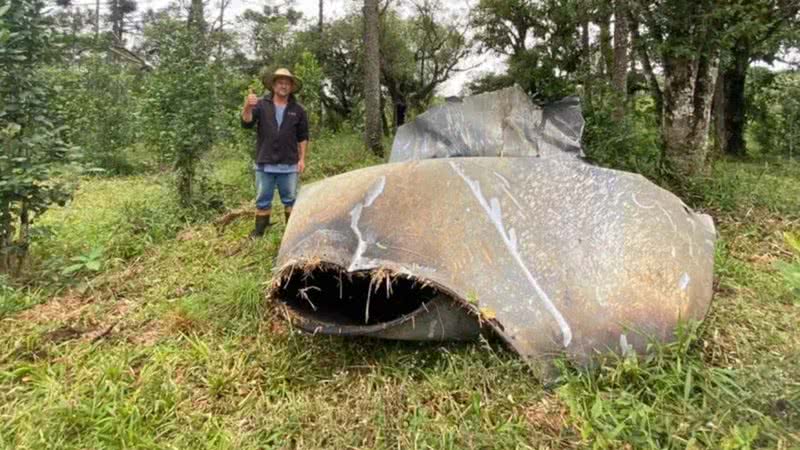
[76, 317]
[59, 309]
[63, 334]
[759, 240]
[550, 416]
[148, 335]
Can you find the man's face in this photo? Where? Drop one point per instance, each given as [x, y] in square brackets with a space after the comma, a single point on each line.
[283, 86]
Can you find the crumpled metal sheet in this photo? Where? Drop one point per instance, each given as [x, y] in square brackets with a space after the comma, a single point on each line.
[500, 123]
[556, 255]
[564, 256]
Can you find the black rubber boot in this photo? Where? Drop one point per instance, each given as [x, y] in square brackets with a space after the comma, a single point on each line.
[262, 223]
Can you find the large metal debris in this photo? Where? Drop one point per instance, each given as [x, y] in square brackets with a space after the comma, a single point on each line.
[500, 123]
[557, 256]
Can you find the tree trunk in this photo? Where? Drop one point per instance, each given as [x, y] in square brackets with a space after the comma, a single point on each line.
[186, 169]
[221, 28]
[97, 20]
[384, 121]
[641, 48]
[587, 60]
[729, 104]
[6, 232]
[619, 77]
[321, 92]
[606, 51]
[688, 91]
[196, 19]
[372, 80]
[24, 237]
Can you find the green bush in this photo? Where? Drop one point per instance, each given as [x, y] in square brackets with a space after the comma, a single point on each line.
[181, 107]
[632, 144]
[33, 143]
[773, 113]
[98, 103]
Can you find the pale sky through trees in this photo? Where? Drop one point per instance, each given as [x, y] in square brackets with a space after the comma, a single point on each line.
[337, 8]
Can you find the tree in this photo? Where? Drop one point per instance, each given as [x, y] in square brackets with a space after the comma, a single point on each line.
[540, 39]
[33, 148]
[418, 55]
[118, 10]
[271, 34]
[773, 112]
[98, 103]
[687, 37]
[372, 77]
[619, 76]
[309, 70]
[180, 107]
[761, 27]
[73, 25]
[341, 56]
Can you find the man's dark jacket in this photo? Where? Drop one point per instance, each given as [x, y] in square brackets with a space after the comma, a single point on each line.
[273, 145]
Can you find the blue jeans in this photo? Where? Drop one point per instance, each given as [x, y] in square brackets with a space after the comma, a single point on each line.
[265, 188]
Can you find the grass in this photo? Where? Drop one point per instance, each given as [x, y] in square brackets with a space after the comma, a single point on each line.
[170, 344]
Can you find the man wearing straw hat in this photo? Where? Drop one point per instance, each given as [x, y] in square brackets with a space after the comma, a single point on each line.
[281, 143]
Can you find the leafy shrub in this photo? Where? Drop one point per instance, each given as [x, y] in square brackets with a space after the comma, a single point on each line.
[33, 144]
[180, 109]
[98, 104]
[310, 72]
[774, 112]
[631, 144]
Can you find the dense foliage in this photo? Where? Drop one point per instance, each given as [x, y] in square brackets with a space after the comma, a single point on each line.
[30, 132]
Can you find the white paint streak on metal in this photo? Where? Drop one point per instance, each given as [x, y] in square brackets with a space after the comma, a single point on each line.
[599, 297]
[375, 191]
[503, 179]
[683, 283]
[432, 329]
[692, 223]
[492, 209]
[355, 216]
[624, 347]
[633, 197]
[513, 199]
[669, 216]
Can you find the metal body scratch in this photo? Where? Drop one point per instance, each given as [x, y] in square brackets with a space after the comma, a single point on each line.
[509, 237]
[355, 216]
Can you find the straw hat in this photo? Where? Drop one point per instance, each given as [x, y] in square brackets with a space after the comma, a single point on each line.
[269, 80]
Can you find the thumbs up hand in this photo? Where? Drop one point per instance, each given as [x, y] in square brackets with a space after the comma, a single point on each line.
[251, 100]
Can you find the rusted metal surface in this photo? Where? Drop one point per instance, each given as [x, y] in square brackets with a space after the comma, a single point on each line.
[555, 255]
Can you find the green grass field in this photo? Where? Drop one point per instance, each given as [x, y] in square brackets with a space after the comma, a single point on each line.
[143, 326]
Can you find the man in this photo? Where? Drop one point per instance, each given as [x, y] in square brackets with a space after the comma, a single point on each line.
[281, 143]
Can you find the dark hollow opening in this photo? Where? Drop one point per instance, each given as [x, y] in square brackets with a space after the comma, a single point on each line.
[330, 295]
